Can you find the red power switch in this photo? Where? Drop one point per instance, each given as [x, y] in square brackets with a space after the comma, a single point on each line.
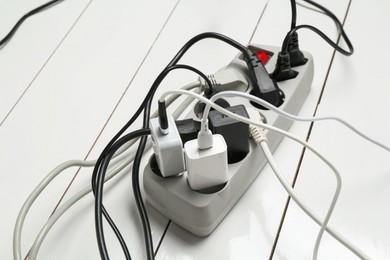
[263, 57]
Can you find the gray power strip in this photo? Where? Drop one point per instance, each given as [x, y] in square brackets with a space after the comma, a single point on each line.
[200, 213]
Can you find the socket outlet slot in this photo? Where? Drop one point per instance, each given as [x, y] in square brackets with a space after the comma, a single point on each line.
[199, 107]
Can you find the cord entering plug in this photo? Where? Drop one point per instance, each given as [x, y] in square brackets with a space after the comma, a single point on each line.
[168, 147]
[296, 55]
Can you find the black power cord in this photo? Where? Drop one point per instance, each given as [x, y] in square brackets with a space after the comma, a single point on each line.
[100, 182]
[141, 147]
[337, 22]
[102, 164]
[322, 35]
[24, 17]
[296, 55]
[327, 12]
[293, 14]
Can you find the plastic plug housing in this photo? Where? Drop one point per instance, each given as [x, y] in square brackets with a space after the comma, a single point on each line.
[283, 69]
[235, 133]
[168, 148]
[263, 85]
[296, 55]
[206, 168]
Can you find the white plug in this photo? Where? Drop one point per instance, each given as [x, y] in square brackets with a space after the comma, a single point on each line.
[206, 168]
[167, 147]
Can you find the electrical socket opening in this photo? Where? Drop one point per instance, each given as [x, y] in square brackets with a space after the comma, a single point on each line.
[199, 107]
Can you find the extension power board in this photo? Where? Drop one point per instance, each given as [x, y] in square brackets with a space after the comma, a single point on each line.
[200, 212]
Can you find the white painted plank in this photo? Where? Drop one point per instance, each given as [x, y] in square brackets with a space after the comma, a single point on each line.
[61, 115]
[32, 46]
[357, 90]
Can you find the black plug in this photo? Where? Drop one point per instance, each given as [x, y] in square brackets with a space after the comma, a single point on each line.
[283, 69]
[296, 55]
[264, 86]
[235, 133]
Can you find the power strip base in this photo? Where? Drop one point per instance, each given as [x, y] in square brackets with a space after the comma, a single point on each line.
[200, 213]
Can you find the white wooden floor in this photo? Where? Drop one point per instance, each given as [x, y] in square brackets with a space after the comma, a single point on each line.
[74, 74]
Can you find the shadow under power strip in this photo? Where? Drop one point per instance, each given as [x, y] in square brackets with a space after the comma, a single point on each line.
[201, 212]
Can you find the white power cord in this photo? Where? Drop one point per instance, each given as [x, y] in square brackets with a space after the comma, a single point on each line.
[259, 135]
[296, 198]
[125, 159]
[70, 202]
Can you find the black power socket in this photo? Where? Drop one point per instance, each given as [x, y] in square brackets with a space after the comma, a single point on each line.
[235, 133]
